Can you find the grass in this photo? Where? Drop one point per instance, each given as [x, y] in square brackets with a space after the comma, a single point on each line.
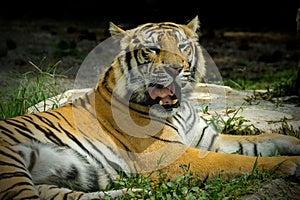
[188, 186]
[37, 85]
[231, 123]
[34, 86]
[280, 81]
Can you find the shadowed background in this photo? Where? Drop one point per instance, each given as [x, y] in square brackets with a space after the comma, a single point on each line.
[246, 39]
[261, 15]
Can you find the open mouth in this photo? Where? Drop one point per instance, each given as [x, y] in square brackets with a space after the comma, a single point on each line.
[164, 96]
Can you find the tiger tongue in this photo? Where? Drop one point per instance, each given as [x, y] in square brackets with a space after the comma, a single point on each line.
[163, 93]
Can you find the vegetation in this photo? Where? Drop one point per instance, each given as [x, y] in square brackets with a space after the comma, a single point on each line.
[190, 187]
[231, 123]
[277, 84]
[35, 86]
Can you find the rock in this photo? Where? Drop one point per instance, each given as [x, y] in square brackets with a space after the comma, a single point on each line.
[57, 101]
[265, 115]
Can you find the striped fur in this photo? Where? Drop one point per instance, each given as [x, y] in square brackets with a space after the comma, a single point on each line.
[136, 120]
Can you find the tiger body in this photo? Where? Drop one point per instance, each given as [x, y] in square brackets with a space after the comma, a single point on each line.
[136, 120]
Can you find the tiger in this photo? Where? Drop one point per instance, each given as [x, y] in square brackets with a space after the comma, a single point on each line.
[136, 120]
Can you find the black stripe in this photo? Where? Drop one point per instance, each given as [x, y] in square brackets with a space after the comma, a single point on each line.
[115, 137]
[128, 58]
[194, 118]
[47, 121]
[113, 164]
[189, 123]
[11, 157]
[32, 160]
[74, 105]
[2, 163]
[241, 148]
[119, 61]
[82, 103]
[194, 67]
[154, 28]
[16, 185]
[152, 31]
[164, 140]
[14, 123]
[80, 195]
[25, 135]
[157, 119]
[105, 81]
[63, 117]
[87, 98]
[202, 134]
[135, 54]
[146, 114]
[96, 148]
[168, 123]
[67, 194]
[57, 193]
[190, 108]
[212, 141]
[9, 175]
[179, 120]
[48, 133]
[16, 193]
[73, 138]
[168, 25]
[52, 114]
[9, 134]
[255, 149]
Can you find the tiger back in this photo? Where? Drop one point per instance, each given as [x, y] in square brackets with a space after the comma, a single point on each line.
[137, 119]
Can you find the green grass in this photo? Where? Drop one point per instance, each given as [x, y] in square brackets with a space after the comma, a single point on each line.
[34, 86]
[188, 186]
[232, 124]
[265, 81]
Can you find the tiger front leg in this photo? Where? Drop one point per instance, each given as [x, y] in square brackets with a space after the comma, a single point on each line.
[258, 145]
[205, 164]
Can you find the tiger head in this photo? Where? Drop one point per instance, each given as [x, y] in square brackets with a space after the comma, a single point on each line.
[160, 63]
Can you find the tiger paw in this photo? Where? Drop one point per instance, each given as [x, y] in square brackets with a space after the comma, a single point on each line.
[288, 166]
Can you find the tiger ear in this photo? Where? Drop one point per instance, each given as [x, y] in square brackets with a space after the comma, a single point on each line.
[194, 24]
[114, 29]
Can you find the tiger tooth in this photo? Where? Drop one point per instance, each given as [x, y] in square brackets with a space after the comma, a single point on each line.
[174, 101]
[161, 102]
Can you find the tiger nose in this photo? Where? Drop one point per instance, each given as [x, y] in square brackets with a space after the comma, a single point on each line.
[173, 70]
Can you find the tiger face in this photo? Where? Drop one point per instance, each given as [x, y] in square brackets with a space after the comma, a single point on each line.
[160, 62]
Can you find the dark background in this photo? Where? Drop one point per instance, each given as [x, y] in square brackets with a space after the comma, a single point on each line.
[248, 15]
[246, 39]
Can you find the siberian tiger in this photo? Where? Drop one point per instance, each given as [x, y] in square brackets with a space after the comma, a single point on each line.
[137, 119]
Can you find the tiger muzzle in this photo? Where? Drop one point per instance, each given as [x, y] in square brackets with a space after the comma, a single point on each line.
[163, 89]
